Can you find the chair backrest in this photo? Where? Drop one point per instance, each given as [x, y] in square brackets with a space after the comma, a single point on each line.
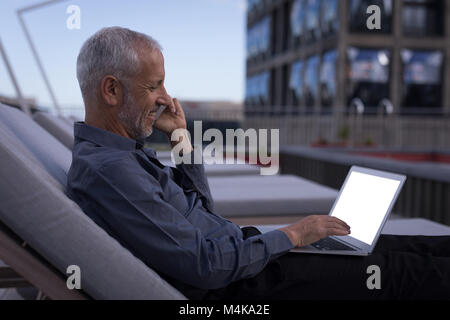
[52, 155]
[57, 127]
[35, 207]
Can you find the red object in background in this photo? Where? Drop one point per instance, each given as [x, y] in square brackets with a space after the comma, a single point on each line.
[411, 157]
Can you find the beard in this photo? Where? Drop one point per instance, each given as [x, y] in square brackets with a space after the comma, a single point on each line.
[134, 119]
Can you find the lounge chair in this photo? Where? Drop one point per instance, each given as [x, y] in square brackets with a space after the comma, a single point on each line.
[36, 211]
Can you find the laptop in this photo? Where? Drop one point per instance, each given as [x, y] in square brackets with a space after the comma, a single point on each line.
[364, 203]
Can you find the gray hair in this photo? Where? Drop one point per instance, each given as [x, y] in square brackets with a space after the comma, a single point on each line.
[113, 51]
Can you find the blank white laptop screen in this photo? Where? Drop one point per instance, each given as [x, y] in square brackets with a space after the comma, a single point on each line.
[363, 204]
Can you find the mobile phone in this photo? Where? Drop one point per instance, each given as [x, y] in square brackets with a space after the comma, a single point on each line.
[160, 110]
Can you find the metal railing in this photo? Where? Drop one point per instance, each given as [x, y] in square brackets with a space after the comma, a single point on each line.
[376, 126]
[216, 115]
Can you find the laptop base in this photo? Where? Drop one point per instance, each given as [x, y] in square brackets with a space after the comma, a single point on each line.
[312, 250]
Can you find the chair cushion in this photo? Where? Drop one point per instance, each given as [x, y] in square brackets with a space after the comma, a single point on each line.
[53, 156]
[57, 127]
[34, 207]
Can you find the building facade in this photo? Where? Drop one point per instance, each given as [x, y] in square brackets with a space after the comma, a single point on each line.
[320, 57]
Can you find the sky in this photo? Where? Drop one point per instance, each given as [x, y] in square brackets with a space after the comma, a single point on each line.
[203, 45]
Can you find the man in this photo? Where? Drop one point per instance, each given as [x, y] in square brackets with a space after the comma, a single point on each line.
[165, 216]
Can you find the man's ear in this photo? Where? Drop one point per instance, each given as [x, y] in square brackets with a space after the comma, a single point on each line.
[111, 90]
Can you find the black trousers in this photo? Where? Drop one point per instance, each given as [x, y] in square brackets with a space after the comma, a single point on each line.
[411, 267]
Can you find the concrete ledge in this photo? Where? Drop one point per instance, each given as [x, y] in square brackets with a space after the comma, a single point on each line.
[432, 171]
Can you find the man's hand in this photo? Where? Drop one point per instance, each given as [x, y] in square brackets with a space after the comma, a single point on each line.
[314, 228]
[171, 119]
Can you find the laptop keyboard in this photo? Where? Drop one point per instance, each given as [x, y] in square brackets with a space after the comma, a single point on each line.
[331, 244]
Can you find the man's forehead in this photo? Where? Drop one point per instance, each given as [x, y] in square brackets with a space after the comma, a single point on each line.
[152, 63]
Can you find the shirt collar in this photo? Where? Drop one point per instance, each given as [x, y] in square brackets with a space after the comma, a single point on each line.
[83, 131]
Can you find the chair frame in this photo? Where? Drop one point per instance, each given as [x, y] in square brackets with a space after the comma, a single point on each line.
[27, 269]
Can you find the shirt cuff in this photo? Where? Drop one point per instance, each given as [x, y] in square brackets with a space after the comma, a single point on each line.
[277, 242]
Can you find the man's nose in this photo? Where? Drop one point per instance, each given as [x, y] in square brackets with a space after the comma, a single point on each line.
[164, 98]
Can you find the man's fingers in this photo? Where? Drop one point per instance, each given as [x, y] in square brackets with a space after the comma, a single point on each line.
[339, 221]
[177, 106]
[334, 225]
[337, 232]
[171, 105]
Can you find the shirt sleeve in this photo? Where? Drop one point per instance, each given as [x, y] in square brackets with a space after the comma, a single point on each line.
[196, 174]
[133, 208]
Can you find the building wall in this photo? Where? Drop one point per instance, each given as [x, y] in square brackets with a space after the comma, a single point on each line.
[282, 51]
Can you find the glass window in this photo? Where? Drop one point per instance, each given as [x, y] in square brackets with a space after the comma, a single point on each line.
[265, 35]
[251, 42]
[257, 89]
[296, 83]
[258, 38]
[297, 18]
[312, 11]
[328, 78]
[263, 87]
[254, 90]
[250, 5]
[368, 75]
[423, 17]
[253, 4]
[358, 15]
[422, 76]
[330, 17]
[249, 91]
[311, 81]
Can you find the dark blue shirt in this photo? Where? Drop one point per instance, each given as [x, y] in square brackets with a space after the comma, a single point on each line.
[163, 215]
